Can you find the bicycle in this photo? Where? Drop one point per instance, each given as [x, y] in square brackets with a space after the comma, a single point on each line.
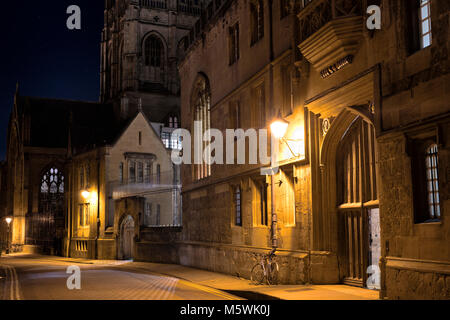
[266, 270]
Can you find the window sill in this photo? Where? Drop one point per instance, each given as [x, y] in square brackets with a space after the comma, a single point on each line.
[429, 223]
[261, 227]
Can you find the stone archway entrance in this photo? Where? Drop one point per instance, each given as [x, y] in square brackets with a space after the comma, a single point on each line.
[127, 231]
[349, 196]
[357, 204]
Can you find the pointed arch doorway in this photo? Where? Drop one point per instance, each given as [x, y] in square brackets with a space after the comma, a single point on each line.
[357, 204]
[127, 231]
[349, 197]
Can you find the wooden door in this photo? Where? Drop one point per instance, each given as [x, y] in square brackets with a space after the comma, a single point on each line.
[356, 187]
[128, 238]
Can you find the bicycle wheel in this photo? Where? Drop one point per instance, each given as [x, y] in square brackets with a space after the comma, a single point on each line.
[274, 270]
[257, 274]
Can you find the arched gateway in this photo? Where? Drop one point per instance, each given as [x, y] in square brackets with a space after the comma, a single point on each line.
[126, 243]
[351, 199]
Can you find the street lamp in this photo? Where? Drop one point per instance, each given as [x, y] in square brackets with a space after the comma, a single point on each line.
[278, 128]
[8, 222]
[85, 194]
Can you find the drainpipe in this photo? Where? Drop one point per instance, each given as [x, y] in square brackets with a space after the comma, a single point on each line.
[98, 208]
[272, 178]
[274, 214]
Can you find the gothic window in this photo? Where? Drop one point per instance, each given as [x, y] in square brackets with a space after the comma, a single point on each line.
[51, 196]
[154, 52]
[201, 103]
[233, 40]
[237, 206]
[155, 60]
[52, 182]
[256, 21]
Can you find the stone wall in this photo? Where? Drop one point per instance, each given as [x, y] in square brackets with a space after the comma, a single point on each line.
[417, 284]
[164, 245]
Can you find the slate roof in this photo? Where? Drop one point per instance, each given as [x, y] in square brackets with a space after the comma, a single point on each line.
[91, 124]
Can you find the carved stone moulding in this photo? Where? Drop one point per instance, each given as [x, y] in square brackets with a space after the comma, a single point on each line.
[334, 45]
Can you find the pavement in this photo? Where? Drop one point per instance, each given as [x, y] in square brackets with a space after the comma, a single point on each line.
[244, 288]
[128, 280]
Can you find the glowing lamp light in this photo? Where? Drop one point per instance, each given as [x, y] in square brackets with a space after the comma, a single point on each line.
[8, 220]
[279, 128]
[85, 194]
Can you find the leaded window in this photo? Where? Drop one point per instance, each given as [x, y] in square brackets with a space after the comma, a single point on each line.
[432, 174]
[52, 182]
[425, 23]
[154, 52]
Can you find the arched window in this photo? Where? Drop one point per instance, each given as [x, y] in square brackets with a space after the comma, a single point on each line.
[52, 182]
[154, 60]
[46, 225]
[425, 175]
[154, 52]
[201, 104]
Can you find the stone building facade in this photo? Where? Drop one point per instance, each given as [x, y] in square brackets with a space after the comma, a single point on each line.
[50, 142]
[362, 195]
[142, 44]
[119, 190]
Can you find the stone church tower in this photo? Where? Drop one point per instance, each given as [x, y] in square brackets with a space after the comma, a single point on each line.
[142, 43]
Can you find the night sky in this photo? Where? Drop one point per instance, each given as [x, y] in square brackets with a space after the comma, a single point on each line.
[46, 58]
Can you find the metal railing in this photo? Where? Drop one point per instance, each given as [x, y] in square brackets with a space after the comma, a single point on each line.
[188, 6]
[154, 4]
